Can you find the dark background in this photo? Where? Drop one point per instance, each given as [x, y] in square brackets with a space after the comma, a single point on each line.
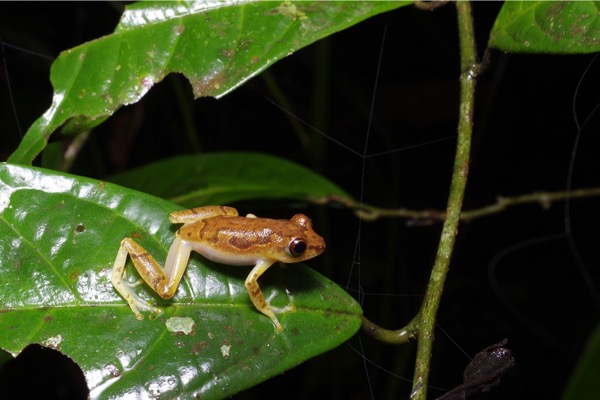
[513, 274]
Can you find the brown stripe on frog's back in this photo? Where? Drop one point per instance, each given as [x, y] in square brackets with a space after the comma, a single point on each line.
[247, 241]
[252, 233]
[242, 233]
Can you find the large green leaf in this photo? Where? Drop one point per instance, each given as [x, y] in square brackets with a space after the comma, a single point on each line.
[560, 27]
[226, 177]
[216, 45]
[58, 239]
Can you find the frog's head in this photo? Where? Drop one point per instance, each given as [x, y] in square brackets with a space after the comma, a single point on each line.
[308, 244]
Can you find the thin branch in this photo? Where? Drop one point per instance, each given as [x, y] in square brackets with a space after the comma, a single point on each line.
[441, 265]
[400, 336]
[545, 199]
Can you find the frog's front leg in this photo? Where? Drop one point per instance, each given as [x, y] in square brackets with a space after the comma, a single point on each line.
[164, 282]
[257, 296]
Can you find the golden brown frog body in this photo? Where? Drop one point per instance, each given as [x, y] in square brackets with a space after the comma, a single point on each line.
[221, 235]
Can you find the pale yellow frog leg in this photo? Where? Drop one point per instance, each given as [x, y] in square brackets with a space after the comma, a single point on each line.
[200, 213]
[251, 216]
[258, 298]
[164, 282]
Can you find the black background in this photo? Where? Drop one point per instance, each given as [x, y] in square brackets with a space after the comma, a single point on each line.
[523, 140]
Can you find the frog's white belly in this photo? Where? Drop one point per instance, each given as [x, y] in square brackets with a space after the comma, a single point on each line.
[222, 256]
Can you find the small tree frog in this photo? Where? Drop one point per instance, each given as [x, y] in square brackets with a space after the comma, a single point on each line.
[219, 234]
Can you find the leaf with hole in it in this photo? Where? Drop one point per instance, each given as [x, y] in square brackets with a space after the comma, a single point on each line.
[559, 27]
[59, 235]
[216, 45]
[226, 177]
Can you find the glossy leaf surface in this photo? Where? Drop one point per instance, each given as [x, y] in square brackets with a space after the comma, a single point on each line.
[216, 45]
[559, 27]
[223, 178]
[58, 239]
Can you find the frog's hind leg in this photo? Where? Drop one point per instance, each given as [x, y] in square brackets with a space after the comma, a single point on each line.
[258, 298]
[125, 288]
[163, 281]
[200, 213]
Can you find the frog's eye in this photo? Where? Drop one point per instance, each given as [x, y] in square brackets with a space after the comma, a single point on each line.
[296, 247]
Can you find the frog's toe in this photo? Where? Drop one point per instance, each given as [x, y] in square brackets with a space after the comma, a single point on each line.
[279, 310]
[136, 303]
[134, 284]
[146, 306]
[278, 326]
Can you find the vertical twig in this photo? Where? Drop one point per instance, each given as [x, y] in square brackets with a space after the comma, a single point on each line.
[457, 189]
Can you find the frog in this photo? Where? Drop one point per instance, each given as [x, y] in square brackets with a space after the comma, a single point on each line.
[219, 234]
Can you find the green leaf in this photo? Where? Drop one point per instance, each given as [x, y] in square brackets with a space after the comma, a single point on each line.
[560, 27]
[5, 356]
[227, 177]
[216, 45]
[59, 235]
[584, 383]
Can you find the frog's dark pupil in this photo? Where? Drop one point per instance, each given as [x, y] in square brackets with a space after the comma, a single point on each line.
[298, 247]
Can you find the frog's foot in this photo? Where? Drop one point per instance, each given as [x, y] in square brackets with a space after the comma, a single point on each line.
[277, 310]
[135, 301]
